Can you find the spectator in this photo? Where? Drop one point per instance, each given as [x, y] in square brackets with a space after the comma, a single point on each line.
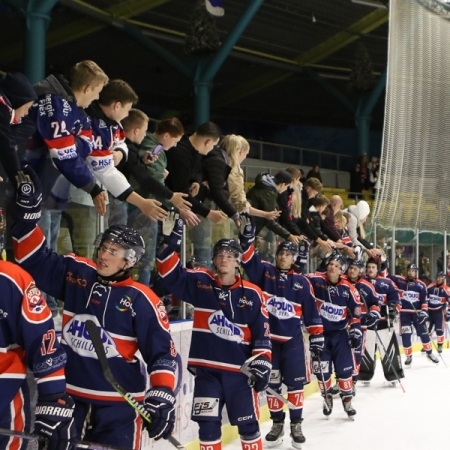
[184, 166]
[358, 216]
[320, 202]
[16, 98]
[314, 173]
[364, 161]
[263, 195]
[237, 149]
[356, 184]
[302, 176]
[311, 188]
[373, 168]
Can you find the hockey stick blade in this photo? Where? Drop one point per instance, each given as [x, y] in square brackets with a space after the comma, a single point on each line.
[245, 371]
[94, 333]
[34, 437]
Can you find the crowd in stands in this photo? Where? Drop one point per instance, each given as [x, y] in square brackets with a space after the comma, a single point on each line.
[95, 155]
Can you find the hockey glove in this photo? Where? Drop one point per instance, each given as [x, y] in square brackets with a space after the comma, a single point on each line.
[371, 319]
[173, 230]
[159, 403]
[422, 317]
[303, 250]
[354, 337]
[316, 344]
[54, 421]
[247, 230]
[28, 197]
[392, 313]
[259, 370]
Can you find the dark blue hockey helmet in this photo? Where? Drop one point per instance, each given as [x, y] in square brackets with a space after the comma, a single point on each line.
[287, 246]
[335, 256]
[359, 263]
[128, 238]
[230, 245]
[412, 266]
[440, 274]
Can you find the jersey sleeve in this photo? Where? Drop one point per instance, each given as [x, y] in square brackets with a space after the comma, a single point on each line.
[54, 123]
[311, 316]
[354, 306]
[253, 266]
[154, 340]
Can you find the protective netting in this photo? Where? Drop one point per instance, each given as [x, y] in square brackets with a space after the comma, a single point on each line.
[415, 161]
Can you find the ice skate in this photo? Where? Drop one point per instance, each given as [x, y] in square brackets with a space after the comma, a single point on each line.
[335, 389]
[327, 405]
[348, 408]
[439, 349]
[297, 434]
[275, 436]
[354, 389]
[423, 351]
[408, 362]
[432, 358]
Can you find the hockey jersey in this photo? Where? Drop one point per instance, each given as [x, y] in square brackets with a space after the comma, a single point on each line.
[413, 294]
[230, 323]
[27, 337]
[388, 295]
[339, 304]
[438, 296]
[129, 315]
[369, 298]
[289, 297]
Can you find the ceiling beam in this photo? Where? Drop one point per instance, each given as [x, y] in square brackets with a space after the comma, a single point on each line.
[84, 27]
[316, 54]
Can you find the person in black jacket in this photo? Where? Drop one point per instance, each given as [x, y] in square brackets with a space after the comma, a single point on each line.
[184, 166]
[17, 95]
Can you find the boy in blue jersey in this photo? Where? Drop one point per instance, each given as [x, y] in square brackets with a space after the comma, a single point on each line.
[230, 326]
[290, 301]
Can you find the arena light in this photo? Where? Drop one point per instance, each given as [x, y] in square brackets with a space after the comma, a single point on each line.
[372, 3]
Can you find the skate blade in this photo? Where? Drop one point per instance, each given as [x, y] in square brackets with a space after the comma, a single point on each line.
[296, 445]
[365, 383]
[352, 418]
[270, 444]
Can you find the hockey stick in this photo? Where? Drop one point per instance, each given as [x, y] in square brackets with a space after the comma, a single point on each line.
[429, 334]
[391, 363]
[100, 350]
[245, 371]
[34, 437]
[325, 398]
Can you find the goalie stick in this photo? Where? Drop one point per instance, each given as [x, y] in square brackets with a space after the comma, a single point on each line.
[100, 351]
[34, 437]
[245, 371]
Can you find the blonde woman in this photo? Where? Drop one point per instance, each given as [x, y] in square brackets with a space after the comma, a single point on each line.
[237, 149]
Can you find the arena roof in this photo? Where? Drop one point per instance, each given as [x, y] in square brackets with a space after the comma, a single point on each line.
[291, 64]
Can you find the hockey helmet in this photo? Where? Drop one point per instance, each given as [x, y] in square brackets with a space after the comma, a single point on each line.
[230, 245]
[412, 266]
[440, 274]
[359, 263]
[337, 257]
[288, 246]
[128, 238]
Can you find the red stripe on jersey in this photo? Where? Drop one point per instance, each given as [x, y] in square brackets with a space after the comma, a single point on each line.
[19, 423]
[168, 264]
[298, 310]
[162, 379]
[126, 348]
[58, 373]
[248, 254]
[100, 153]
[108, 398]
[13, 362]
[28, 244]
[314, 329]
[60, 143]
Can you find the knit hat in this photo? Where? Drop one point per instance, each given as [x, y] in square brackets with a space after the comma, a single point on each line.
[17, 89]
[362, 209]
[282, 177]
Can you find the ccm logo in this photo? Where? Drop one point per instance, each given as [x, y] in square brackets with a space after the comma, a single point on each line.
[241, 419]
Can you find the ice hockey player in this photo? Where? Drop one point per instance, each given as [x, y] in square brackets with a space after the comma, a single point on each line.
[414, 312]
[230, 327]
[339, 305]
[389, 309]
[370, 310]
[438, 298]
[28, 340]
[129, 315]
[290, 300]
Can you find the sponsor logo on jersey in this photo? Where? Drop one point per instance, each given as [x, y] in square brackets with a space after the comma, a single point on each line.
[78, 281]
[244, 418]
[410, 296]
[280, 308]
[333, 313]
[36, 303]
[100, 164]
[383, 284]
[243, 302]
[435, 299]
[68, 153]
[53, 363]
[205, 406]
[162, 312]
[223, 328]
[126, 304]
[297, 286]
[102, 124]
[200, 285]
[46, 107]
[77, 337]
[3, 314]
[275, 376]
